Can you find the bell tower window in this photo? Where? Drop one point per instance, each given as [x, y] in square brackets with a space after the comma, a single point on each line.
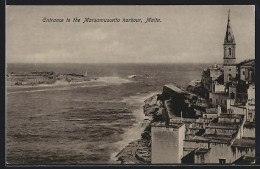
[229, 50]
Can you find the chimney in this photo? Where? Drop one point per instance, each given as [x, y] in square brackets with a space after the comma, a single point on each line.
[219, 110]
[181, 116]
[165, 117]
[167, 121]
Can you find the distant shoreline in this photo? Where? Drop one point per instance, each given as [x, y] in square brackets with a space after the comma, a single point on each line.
[44, 78]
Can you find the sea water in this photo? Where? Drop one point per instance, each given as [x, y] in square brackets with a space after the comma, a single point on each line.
[87, 122]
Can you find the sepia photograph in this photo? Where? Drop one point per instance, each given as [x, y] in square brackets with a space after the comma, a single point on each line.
[130, 84]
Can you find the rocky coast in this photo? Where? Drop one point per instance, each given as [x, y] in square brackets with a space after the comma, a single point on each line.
[139, 151]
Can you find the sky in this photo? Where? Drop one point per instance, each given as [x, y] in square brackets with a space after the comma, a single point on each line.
[186, 34]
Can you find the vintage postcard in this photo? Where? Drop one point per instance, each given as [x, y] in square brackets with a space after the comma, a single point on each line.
[130, 84]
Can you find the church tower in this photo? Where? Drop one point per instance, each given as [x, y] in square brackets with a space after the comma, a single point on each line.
[229, 53]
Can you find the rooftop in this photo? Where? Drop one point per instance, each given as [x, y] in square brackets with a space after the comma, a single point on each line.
[248, 62]
[218, 136]
[211, 111]
[245, 160]
[230, 116]
[198, 139]
[202, 151]
[174, 88]
[244, 142]
[171, 125]
[220, 93]
[249, 124]
[227, 126]
[212, 138]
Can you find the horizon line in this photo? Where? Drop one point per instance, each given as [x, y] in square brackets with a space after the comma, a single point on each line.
[115, 63]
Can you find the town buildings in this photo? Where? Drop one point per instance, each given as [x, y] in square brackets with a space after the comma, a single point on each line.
[223, 129]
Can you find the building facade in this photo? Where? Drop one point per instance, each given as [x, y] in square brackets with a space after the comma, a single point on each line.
[167, 143]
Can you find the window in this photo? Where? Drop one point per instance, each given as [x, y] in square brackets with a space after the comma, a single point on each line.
[229, 51]
[249, 115]
[229, 77]
[210, 99]
[222, 161]
[232, 95]
[243, 72]
[229, 69]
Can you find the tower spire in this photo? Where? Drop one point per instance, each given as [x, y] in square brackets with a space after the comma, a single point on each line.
[229, 38]
[228, 15]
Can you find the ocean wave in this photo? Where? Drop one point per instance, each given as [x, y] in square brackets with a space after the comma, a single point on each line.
[37, 90]
[113, 80]
[133, 133]
[131, 76]
[76, 119]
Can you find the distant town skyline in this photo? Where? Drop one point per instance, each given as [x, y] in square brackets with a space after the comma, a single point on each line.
[186, 34]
